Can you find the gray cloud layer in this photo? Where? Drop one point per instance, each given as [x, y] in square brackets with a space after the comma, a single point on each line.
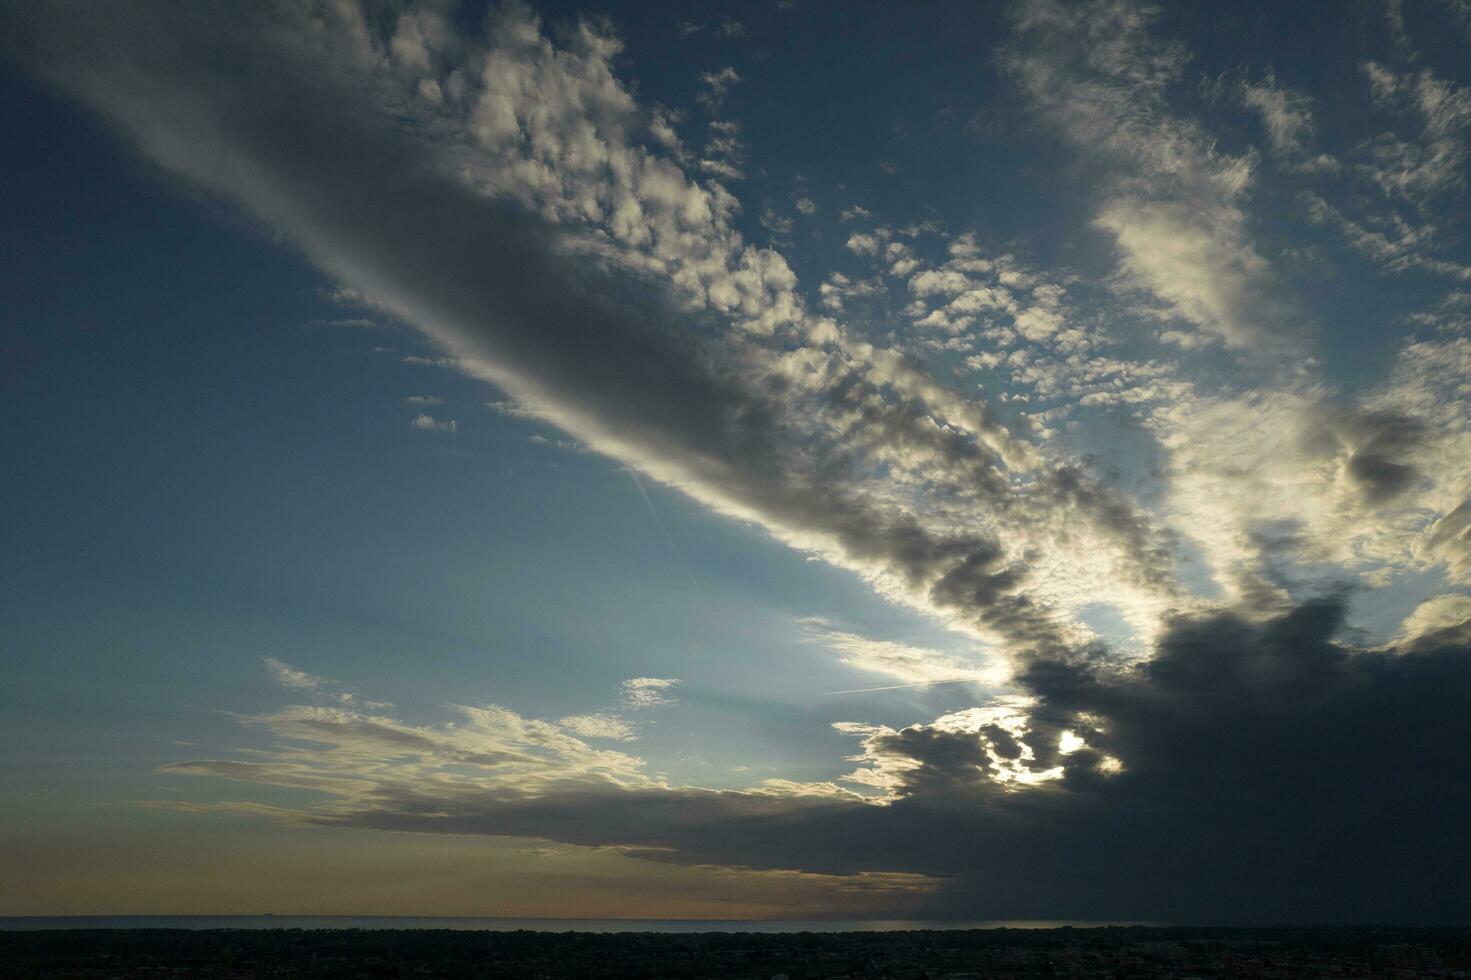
[1252, 771]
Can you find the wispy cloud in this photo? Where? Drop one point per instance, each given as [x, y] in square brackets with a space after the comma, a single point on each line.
[289, 677]
[428, 423]
[910, 665]
[1171, 201]
[648, 692]
[548, 235]
[717, 84]
[599, 726]
[1287, 116]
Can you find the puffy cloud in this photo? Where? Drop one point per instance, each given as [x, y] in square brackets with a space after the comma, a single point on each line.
[648, 692]
[979, 750]
[775, 223]
[838, 289]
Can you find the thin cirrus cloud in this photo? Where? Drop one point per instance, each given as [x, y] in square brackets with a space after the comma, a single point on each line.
[599, 725]
[1171, 201]
[510, 198]
[901, 663]
[289, 677]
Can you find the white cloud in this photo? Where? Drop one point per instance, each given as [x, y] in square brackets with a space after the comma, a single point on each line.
[289, 677]
[722, 168]
[1435, 162]
[1170, 199]
[900, 662]
[1200, 262]
[775, 223]
[428, 423]
[992, 738]
[1288, 118]
[838, 289]
[353, 754]
[717, 84]
[648, 692]
[600, 725]
[1388, 237]
[1435, 615]
[547, 242]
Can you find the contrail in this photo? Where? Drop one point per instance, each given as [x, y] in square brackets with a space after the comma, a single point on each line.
[899, 687]
[663, 530]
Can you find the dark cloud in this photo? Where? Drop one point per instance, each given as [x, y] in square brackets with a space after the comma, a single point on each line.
[315, 143]
[1269, 773]
[1377, 463]
[1251, 770]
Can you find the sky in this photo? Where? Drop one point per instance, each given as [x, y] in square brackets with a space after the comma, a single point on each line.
[734, 460]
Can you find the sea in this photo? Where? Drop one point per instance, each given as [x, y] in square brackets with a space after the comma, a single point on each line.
[31, 922]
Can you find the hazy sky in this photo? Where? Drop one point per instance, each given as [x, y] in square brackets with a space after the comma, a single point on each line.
[797, 459]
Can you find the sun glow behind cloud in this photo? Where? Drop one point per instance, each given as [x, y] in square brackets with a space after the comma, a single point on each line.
[508, 195]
